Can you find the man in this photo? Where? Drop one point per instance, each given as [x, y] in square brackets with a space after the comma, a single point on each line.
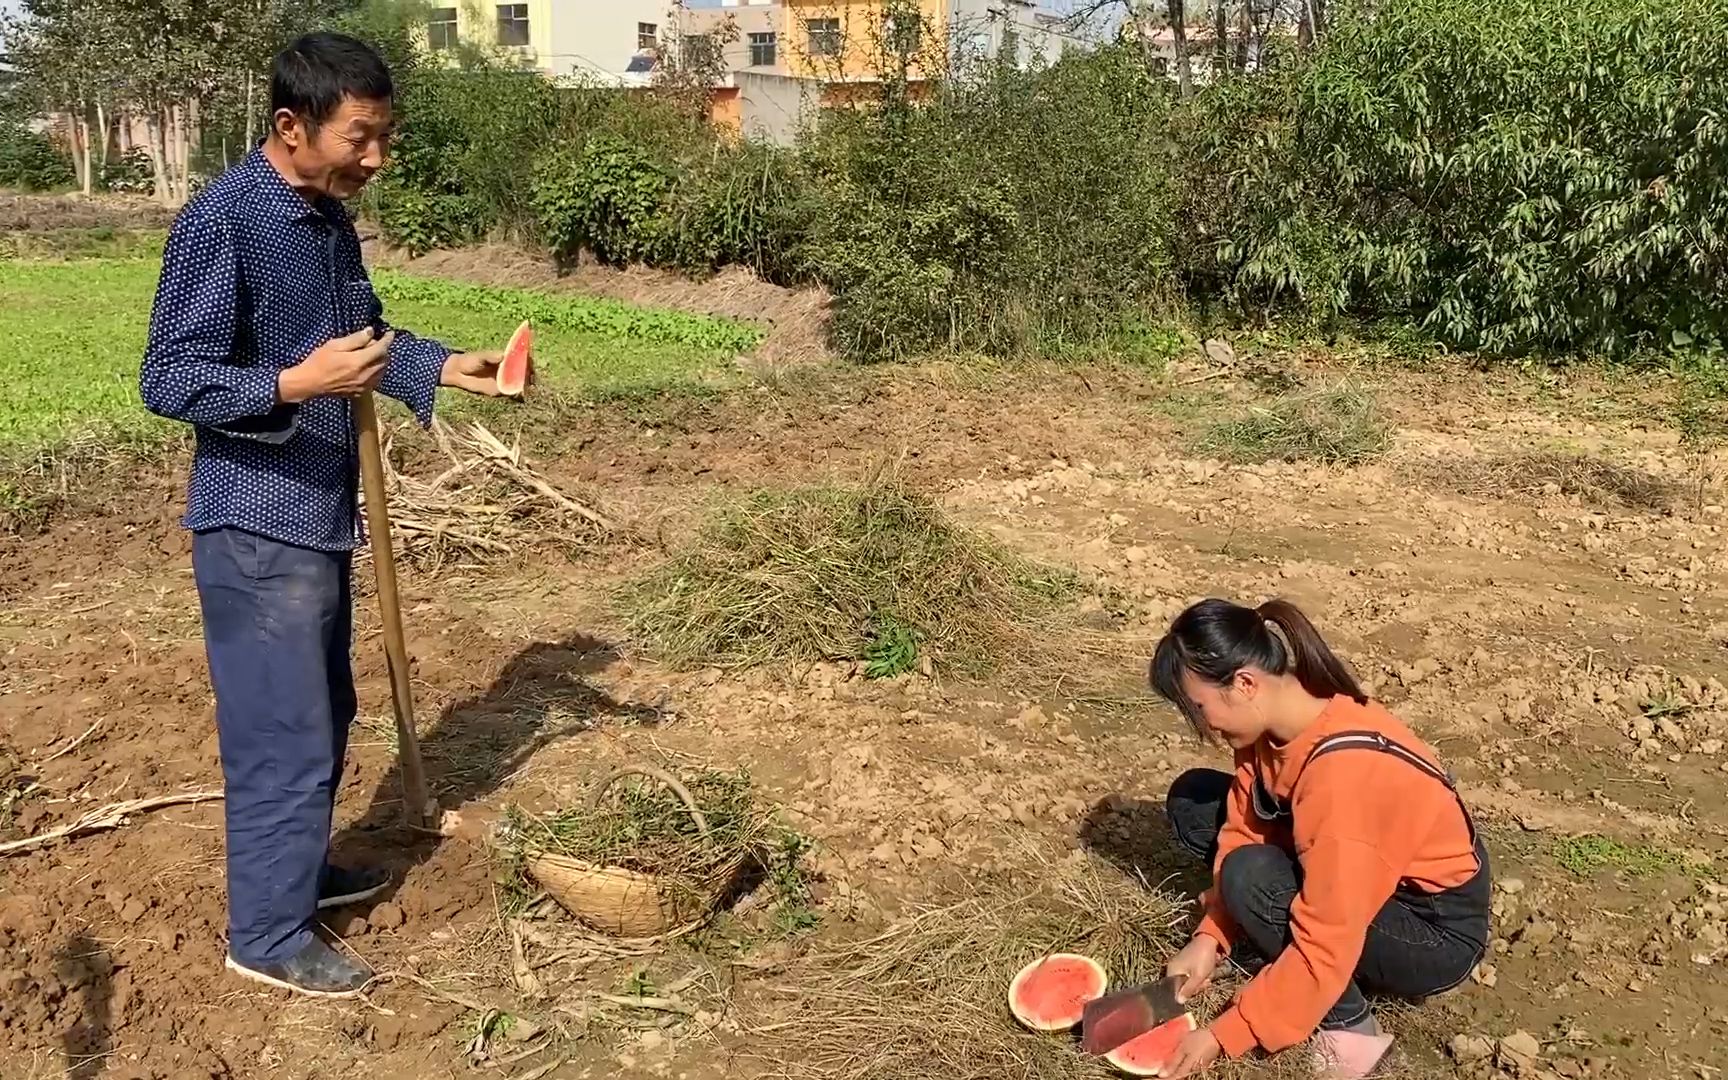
[264, 330]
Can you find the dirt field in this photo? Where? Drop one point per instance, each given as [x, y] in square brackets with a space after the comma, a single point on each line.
[1562, 648]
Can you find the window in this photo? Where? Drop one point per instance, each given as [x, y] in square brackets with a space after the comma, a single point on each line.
[764, 50]
[512, 24]
[647, 36]
[441, 28]
[824, 37]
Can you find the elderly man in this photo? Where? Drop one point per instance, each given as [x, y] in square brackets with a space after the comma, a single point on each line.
[265, 329]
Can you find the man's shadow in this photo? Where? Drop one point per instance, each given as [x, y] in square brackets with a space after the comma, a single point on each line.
[542, 695]
[84, 968]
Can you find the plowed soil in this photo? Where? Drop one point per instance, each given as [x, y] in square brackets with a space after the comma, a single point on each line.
[1562, 649]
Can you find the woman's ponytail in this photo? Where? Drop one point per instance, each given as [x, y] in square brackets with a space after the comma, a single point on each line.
[1312, 661]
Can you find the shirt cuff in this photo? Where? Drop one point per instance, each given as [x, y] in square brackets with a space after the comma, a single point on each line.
[417, 368]
[1234, 1035]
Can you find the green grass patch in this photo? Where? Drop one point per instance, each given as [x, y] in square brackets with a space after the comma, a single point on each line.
[69, 244]
[76, 331]
[1589, 854]
[75, 334]
[611, 319]
[874, 572]
[1335, 425]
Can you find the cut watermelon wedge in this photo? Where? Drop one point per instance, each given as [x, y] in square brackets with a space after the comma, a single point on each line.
[513, 369]
[1148, 1053]
[1051, 993]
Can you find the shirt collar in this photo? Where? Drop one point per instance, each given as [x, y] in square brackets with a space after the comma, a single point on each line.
[279, 196]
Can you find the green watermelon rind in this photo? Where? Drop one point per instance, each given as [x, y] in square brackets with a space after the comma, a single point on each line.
[1018, 1009]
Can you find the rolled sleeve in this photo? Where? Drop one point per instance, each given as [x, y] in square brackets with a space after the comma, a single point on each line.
[189, 371]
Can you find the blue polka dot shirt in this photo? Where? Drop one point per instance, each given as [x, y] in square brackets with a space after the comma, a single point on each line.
[254, 278]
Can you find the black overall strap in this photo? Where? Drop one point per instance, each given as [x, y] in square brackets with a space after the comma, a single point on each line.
[1374, 740]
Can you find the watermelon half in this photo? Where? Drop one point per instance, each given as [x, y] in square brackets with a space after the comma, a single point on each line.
[513, 369]
[1051, 993]
[1147, 1053]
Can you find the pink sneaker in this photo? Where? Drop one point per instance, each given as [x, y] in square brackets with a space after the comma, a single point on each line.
[1348, 1055]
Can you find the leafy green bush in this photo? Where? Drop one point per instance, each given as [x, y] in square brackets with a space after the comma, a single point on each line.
[462, 167]
[1515, 175]
[1018, 210]
[29, 161]
[609, 198]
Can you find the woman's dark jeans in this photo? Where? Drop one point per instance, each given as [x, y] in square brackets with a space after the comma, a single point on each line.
[1419, 945]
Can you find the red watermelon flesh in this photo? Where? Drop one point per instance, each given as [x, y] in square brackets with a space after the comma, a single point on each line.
[1051, 993]
[513, 369]
[1148, 1053]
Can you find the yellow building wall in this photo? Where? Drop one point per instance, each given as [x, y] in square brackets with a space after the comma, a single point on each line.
[863, 38]
[477, 24]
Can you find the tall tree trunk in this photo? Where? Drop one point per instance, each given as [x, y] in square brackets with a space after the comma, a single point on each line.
[102, 126]
[125, 137]
[249, 110]
[77, 137]
[187, 128]
[87, 177]
[158, 155]
[1220, 39]
[1179, 34]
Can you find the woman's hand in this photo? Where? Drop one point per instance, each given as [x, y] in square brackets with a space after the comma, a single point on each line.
[1195, 963]
[1197, 1050]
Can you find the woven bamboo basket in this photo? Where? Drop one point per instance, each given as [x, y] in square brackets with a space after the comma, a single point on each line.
[628, 903]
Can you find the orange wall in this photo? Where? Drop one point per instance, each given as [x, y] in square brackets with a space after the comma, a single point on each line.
[863, 40]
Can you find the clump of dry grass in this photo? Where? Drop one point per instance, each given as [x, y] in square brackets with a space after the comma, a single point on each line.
[489, 503]
[1595, 480]
[1338, 424]
[927, 999]
[875, 572]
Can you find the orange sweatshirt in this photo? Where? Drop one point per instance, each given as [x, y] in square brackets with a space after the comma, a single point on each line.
[1364, 821]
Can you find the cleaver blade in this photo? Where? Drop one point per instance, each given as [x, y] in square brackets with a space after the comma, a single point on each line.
[1115, 1018]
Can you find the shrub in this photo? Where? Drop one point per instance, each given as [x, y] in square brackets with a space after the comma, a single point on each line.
[29, 160]
[463, 164]
[1016, 211]
[1516, 175]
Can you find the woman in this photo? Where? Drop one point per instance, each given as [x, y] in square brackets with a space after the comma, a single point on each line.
[1342, 856]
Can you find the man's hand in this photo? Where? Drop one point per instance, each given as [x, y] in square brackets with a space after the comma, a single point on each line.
[1195, 963]
[475, 372]
[341, 367]
[1197, 1050]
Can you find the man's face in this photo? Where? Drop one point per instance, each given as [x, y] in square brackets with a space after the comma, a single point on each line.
[347, 149]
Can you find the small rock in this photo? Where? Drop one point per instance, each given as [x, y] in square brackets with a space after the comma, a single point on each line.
[1521, 1046]
[133, 910]
[1470, 1048]
[1539, 933]
[386, 917]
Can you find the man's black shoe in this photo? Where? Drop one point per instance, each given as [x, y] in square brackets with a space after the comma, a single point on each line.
[350, 886]
[316, 971]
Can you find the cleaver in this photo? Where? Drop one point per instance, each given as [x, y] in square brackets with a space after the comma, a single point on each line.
[1113, 1019]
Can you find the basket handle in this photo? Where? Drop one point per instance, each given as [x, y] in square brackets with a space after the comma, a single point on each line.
[653, 773]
